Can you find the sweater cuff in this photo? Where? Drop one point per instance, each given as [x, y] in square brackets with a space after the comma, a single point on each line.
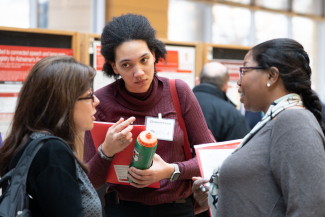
[98, 169]
[102, 155]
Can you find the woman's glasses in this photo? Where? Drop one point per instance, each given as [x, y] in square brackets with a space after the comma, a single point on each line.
[243, 72]
[92, 97]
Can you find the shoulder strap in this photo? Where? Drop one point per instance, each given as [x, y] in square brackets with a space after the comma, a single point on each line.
[19, 176]
[27, 157]
[173, 91]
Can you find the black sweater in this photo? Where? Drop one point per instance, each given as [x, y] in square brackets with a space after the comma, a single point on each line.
[223, 119]
[52, 181]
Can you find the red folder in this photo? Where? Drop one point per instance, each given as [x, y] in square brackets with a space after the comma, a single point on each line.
[122, 159]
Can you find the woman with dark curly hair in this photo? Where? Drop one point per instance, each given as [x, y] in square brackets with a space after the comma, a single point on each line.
[131, 50]
[279, 168]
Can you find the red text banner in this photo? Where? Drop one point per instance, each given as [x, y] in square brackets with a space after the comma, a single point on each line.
[16, 61]
[100, 60]
[171, 64]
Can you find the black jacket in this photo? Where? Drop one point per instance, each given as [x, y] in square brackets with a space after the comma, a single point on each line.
[223, 119]
[52, 181]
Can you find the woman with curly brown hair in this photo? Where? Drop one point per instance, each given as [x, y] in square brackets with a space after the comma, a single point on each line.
[131, 50]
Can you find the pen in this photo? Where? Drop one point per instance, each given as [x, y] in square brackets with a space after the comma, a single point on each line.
[202, 188]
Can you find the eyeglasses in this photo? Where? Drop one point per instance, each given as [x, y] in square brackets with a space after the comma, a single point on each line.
[92, 97]
[242, 73]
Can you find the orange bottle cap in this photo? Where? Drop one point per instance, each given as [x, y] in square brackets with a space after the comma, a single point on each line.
[147, 139]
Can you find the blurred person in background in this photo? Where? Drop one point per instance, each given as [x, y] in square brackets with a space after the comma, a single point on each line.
[279, 168]
[223, 119]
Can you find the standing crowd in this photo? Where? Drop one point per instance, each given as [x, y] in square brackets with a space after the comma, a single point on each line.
[277, 170]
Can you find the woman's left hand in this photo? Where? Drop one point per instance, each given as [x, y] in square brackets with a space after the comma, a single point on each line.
[200, 196]
[158, 171]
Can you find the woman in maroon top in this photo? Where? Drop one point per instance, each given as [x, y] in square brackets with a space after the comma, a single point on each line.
[131, 51]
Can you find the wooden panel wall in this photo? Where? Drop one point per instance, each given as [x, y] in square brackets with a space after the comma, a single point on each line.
[155, 10]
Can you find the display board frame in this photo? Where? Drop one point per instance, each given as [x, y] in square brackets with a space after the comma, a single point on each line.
[208, 51]
[86, 58]
[41, 38]
[85, 43]
[75, 37]
[85, 40]
[198, 52]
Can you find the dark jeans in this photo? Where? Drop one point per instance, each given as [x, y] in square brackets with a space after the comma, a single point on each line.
[136, 209]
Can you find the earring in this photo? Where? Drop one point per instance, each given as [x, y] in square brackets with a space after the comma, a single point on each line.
[268, 84]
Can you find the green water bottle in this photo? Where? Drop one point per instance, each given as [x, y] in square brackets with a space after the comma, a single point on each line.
[144, 148]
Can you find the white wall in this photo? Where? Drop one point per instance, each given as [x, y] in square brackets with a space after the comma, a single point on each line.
[70, 15]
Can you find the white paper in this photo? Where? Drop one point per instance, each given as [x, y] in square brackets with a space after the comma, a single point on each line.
[211, 159]
[8, 104]
[121, 172]
[162, 127]
[100, 80]
[186, 61]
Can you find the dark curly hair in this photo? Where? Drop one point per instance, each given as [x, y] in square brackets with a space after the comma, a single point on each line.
[292, 61]
[126, 28]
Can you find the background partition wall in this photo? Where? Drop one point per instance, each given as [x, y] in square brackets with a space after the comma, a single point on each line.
[20, 49]
[225, 22]
[249, 22]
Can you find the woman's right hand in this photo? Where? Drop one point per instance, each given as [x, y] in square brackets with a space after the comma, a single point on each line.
[118, 137]
[200, 196]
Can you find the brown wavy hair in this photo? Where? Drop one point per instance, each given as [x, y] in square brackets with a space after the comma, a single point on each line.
[46, 103]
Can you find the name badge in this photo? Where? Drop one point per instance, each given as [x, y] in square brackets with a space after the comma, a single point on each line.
[163, 128]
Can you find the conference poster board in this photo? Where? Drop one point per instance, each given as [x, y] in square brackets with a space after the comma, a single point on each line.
[20, 49]
[180, 64]
[100, 79]
[15, 64]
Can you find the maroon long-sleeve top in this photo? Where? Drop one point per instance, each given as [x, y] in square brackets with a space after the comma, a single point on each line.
[116, 102]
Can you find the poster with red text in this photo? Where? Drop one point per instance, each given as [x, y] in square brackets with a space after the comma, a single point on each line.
[179, 64]
[15, 64]
[100, 79]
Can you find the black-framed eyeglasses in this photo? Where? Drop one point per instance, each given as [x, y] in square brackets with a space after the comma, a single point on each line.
[92, 97]
[253, 67]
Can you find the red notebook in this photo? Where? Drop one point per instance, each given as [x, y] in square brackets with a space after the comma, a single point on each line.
[118, 169]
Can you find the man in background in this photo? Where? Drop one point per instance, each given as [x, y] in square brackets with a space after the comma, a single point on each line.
[222, 117]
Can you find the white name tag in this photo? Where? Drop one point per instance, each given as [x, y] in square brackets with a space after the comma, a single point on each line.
[163, 128]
